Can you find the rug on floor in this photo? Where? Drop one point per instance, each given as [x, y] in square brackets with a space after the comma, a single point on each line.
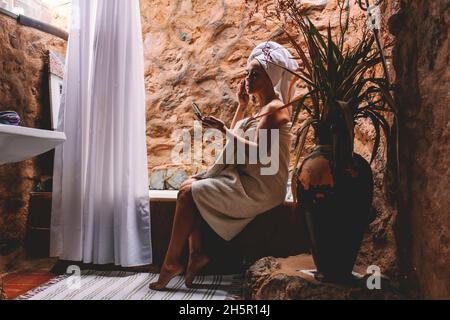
[119, 285]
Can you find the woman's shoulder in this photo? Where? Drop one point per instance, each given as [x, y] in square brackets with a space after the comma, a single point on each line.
[275, 104]
[278, 115]
[276, 107]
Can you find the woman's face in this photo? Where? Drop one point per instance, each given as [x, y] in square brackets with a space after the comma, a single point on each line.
[257, 79]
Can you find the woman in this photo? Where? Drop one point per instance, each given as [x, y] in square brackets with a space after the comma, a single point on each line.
[228, 197]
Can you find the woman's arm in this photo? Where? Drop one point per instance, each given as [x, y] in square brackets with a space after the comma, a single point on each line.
[244, 100]
[272, 122]
[238, 116]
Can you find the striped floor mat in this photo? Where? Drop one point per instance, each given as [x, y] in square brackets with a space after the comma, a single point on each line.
[116, 285]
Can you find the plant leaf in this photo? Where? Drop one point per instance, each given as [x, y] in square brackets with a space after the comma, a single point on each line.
[300, 104]
[349, 120]
[301, 140]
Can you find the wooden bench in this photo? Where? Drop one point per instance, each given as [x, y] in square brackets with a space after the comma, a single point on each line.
[277, 233]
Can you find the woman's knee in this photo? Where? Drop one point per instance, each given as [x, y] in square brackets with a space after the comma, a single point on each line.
[185, 184]
[188, 182]
[185, 193]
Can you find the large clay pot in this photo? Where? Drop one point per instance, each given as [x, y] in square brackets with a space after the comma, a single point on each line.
[336, 207]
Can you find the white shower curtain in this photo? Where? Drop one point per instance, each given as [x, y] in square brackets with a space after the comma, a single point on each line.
[100, 208]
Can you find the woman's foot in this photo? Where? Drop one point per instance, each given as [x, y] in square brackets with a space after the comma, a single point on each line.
[196, 263]
[168, 272]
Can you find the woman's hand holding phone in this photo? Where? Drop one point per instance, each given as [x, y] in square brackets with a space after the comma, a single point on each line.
[214, 123]
[208, 122]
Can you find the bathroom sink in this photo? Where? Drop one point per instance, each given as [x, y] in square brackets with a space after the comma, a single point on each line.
[19, 143]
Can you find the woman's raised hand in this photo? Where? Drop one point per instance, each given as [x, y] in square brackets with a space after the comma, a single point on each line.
[242, 95]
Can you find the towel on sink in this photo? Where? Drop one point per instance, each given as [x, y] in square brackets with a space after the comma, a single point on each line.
[9, 118]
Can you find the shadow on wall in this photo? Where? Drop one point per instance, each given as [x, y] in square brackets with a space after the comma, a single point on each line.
[421, 56]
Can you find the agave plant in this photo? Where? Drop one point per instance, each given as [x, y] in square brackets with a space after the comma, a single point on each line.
[341, 90]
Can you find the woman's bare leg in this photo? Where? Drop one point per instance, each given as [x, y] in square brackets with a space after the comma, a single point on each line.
[182, 227]
[197, 259]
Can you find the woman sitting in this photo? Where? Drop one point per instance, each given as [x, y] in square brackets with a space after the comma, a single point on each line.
[228, 197]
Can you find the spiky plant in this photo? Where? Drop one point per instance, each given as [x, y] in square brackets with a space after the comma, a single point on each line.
[341, 89]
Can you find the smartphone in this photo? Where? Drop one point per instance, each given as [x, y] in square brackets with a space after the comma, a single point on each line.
[197, 110]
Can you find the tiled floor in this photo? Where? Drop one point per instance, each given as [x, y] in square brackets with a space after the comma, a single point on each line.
[17, 284]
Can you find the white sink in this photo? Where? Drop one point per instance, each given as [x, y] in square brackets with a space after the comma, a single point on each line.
[18, 143]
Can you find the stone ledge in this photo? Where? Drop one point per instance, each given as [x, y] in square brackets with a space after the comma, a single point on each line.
[172, 195]
[283, 279]
[163, 195]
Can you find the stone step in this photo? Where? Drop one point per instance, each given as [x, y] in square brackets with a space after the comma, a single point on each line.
[293, 278]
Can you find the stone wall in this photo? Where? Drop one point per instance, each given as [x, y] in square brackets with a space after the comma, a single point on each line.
[421, 59]
[194, 50]
[24, 89]
[197, 51]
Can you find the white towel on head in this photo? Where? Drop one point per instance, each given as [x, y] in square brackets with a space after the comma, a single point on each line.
[272, 55]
